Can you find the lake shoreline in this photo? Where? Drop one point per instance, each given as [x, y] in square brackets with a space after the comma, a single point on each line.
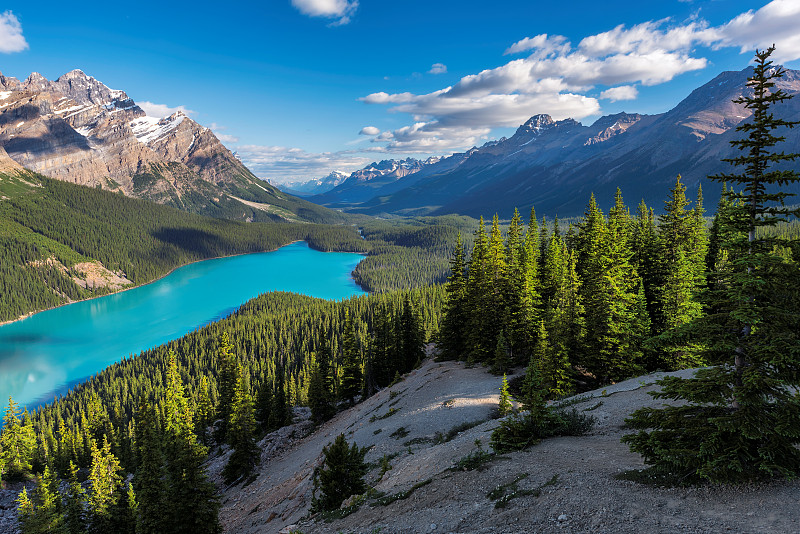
[119, 291]
[64, 346]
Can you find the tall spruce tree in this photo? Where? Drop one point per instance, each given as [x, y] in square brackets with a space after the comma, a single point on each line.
[682, 260]
[149, 476]
[351, 362]
[280, 414]
[75, 502]
[515, 299]
[410, 337]
[740, 419]
[320, 393]
[106, 480]
[17, 444]
[481, 341]
[227, 365]
[453, 330]
[193, 503]
[241, 432]
[204, 412]
[41, 512]
[646, 248]
[264, 404]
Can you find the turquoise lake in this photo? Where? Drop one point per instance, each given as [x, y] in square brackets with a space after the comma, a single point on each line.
[45, 354]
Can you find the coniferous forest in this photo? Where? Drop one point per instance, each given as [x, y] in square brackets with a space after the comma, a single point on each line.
[606, 297]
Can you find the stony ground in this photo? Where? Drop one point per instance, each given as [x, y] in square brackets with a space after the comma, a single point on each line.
[562, 485]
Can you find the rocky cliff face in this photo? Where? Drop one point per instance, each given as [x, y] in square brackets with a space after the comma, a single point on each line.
[78, 130]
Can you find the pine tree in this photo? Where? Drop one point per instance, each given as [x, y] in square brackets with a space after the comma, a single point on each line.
[411, 337]
[504, 405]
[516, 299]
[741, 419]
[193, 506]
[481, 340]
[501, 362]
[498, 275]
[226, 363]
[383, 348]
[320, 398]
[340, 475]
[264, 405]
[281, 412]
[17, 444]
[533, 391]
[351, 362]
[453, 330]
[682, 257]
[241, 432]
[106, 482]
[75, 503]
[645, 247]
[42, 514]
[204, 413]
[148, 478]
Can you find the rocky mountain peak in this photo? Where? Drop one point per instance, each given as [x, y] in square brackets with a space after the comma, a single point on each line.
[536, 124]
[8, 82]
[35, 79]
[74, 74]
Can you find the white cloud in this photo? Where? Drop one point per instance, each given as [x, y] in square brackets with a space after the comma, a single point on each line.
[219, 131]
[162, 110]
[283, 164]
[332, 9]
[623, 92]
[432, 137]
[438, 68]
[11, 38]
[544, 45]
[369, 130]
[555, 76]
[647, 38]
[776, 23]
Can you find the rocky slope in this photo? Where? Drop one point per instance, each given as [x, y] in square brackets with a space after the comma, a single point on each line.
[432, 419]
[556, 165]
[77, 129]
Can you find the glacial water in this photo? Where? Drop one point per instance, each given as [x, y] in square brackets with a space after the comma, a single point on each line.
[44, 355]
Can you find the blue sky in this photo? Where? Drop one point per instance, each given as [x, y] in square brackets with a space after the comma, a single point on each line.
[302, 87]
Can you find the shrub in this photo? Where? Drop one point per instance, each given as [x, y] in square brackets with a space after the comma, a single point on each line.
[340, 475]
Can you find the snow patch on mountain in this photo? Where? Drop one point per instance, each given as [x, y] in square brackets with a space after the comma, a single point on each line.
[149, 129]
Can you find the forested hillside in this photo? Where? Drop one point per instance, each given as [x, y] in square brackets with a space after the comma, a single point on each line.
[276, 337]
[49, 227]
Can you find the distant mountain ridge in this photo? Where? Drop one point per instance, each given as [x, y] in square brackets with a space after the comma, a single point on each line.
[377, 178]
[79, 130]
[312, 187]
[556, 165]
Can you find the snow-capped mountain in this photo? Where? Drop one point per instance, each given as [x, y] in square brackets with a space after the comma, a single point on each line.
[79, 130]
[315, 186]
[376, 178]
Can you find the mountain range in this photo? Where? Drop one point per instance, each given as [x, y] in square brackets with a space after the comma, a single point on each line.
[77, 129]
[314, 186]
[556, 165]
